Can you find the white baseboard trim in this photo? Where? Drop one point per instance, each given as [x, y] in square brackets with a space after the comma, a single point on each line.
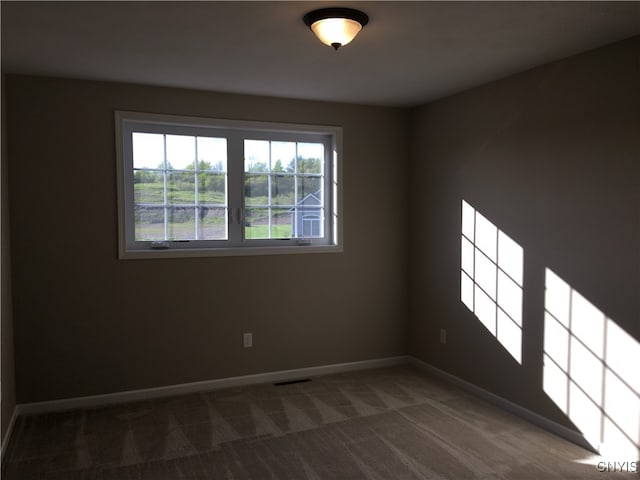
[206, 385]
[284, 375]
[8, 433]
[514, 408]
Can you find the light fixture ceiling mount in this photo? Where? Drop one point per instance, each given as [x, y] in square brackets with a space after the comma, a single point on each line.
[336, 26]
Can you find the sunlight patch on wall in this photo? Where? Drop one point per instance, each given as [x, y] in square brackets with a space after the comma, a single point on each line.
[491, 277]
[591, 370]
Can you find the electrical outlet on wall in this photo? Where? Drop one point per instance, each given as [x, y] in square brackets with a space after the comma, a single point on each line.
[443, 336]
[247, 340]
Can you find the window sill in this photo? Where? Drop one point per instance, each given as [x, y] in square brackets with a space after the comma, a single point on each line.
[227, 252]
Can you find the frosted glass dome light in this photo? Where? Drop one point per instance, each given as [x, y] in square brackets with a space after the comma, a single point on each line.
[336, 27]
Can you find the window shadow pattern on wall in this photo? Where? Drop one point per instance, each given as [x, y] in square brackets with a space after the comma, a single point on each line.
[591, 370]
[491, 279]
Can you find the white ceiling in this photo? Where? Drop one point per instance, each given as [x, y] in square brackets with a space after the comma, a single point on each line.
[410, 53]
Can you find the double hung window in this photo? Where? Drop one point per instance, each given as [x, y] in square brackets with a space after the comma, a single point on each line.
[198, 187]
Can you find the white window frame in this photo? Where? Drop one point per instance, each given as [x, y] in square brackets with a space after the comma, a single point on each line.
[235, 131]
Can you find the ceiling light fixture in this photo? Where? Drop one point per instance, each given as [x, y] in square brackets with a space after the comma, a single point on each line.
[336, 26]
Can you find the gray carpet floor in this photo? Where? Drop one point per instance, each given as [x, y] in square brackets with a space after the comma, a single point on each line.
[383, 424]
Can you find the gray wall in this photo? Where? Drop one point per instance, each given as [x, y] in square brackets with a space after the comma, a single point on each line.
[6, 326]
[552, 157]
[87, 323]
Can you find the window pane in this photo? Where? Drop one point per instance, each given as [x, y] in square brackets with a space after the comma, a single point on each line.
[256, 223]
[213, 223]
[212, 188]
[309, 190]
[148, 150]
[486, 236]
[256, 156]
[310, 158]
[307, 222]
[283, 155]
[280, 223]
[212, 154]
[181, 223]
[148, 186]
[149, 223]
[485, 274]
[256, 189]
[181, 188]
[181, 152]
[282, 189]
[268, 223]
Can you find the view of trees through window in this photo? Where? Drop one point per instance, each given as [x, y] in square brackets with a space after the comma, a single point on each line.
[283, 182]
[177, 197]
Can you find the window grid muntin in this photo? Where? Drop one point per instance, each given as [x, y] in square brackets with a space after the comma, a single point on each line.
[233, 131]
[295, 175]
[196, 172]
